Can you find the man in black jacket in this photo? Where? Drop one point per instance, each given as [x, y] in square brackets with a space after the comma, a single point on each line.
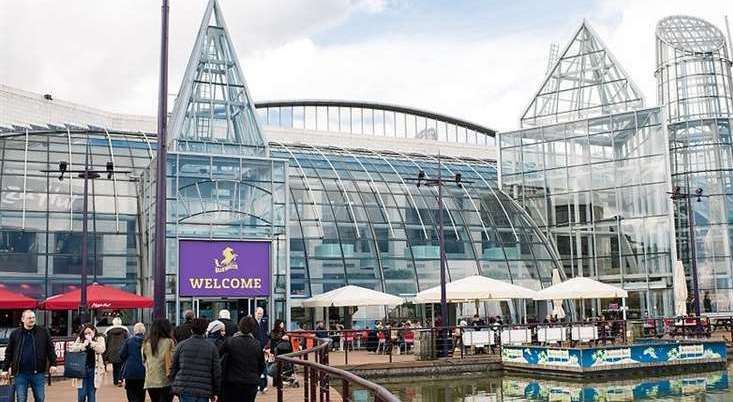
[196, 369]
[245, 362]
[29, 353]
[260, 333]
[183, 331]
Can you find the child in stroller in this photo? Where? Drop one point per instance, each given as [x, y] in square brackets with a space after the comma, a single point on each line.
[288, 371]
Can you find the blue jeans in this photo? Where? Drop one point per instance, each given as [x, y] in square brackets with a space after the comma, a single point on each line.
[187, 397]
[87, 390]
[37, 382]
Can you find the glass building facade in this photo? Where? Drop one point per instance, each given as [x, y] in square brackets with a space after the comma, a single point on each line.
[599, 188]
[333, 215]
[353, 215]
[599, 179]
[695, 88]
[40, 217]
[357, 217]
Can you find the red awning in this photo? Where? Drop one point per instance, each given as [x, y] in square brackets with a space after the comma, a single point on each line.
[14, 301]
[98, 296]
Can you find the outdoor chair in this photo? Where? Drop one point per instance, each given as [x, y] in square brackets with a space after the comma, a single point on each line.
[348, 339]
[381, 342]
[409, 340]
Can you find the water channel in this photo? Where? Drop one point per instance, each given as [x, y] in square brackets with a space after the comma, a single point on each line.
[700, 386]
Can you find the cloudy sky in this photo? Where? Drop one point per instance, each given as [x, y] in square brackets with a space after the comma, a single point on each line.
[476, 60]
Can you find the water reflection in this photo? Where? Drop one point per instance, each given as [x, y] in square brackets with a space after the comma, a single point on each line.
[714, 385]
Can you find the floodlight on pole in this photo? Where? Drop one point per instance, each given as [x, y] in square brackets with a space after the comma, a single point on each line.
[678, 194]
[88, 173]
[423, 180]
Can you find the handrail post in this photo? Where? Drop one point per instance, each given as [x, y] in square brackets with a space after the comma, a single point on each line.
[306, 377]
[391, 345]
[326, 378]
[345, 392]
[314, 378]
[279, 379]
[346, 346]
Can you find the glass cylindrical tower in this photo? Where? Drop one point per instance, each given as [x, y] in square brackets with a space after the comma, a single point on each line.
[693, 69]
[694, 89]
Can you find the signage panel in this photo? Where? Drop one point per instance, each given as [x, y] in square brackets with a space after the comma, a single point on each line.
[213, 268]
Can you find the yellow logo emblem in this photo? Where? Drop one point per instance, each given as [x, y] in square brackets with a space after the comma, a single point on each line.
[227, 262]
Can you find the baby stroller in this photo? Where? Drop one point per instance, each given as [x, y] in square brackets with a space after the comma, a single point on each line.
[288, 370]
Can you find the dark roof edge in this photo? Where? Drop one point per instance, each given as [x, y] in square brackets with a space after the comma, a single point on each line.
[379, 106]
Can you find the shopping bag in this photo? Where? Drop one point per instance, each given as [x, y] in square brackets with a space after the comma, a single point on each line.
[7, 391]
[75, 364]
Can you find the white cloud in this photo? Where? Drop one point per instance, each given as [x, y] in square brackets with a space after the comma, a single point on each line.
[105, 54]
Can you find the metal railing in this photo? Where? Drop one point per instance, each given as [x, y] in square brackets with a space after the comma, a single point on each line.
[317, 374]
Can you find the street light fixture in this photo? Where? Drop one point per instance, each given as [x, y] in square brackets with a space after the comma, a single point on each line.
[439, 182]
[85, 174]
[678, 194]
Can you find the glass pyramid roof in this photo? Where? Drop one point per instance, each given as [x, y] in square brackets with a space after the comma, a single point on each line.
[213, 104]
[585, 81]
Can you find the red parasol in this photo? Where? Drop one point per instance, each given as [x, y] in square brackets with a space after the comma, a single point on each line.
[14, 301]
[98, 296]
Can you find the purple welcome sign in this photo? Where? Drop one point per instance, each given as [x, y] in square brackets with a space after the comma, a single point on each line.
[223, 268]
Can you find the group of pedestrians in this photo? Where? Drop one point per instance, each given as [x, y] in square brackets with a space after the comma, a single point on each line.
[197, 361]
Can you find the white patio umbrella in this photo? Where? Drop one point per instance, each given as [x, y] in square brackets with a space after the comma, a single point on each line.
[557, 309]
[679, 287]
[351, 295]
[583, 288]
[474, 288]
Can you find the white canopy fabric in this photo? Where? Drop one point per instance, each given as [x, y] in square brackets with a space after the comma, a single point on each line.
[474, 288]
[581, 288]
[679, 288]
[351, 295]
[557, 309]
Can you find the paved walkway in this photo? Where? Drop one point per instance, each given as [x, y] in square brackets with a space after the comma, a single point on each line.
[61, 390]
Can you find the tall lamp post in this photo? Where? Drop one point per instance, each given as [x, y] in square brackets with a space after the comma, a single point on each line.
[160, 188]
[677, 194]
[86, 174]
[439, 182]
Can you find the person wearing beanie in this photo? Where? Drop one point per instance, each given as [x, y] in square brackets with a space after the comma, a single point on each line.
[226, 318]
[215, 333]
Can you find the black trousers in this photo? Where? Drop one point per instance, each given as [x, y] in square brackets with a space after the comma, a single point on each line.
[116, 372]
[135, 391]
[231, 392]
[160, 394]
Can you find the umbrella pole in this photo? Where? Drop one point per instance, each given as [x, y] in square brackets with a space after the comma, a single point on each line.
[623, 308]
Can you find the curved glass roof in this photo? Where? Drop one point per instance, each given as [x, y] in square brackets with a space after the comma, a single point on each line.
[366, 118]
[690, 34]
[355, 216]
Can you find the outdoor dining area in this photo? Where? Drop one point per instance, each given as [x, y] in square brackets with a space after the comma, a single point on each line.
[465, 335]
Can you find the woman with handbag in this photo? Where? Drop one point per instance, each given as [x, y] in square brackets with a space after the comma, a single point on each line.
[92, 344]
[158, 350]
